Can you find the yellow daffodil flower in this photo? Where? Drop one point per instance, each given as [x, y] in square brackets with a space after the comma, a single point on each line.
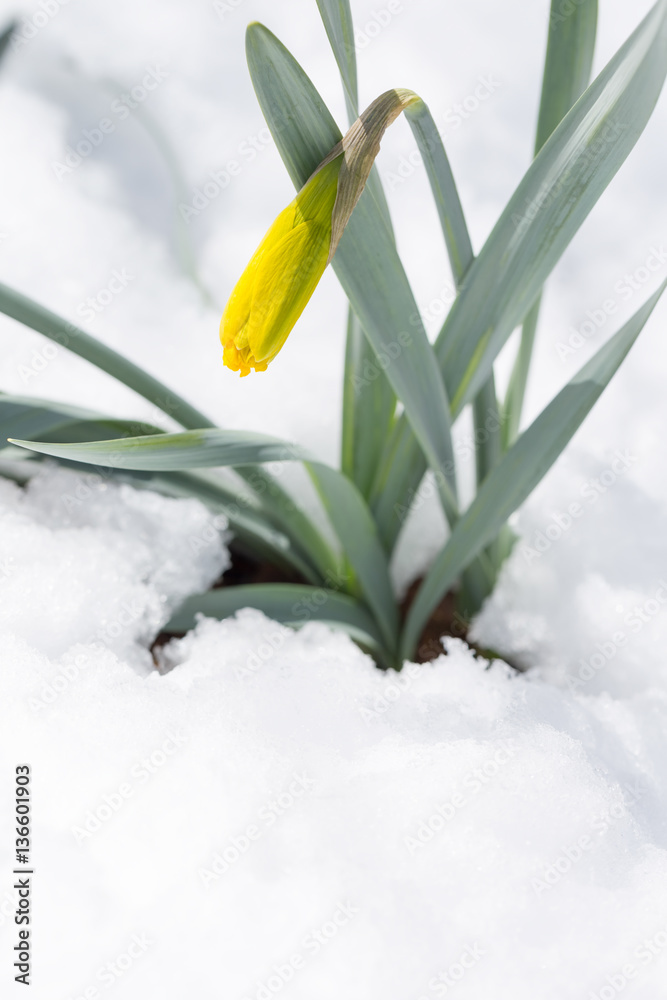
[285, 269]
[282, 275]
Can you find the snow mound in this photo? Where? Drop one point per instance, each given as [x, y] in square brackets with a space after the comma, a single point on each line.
[269, 812]
[85, 561]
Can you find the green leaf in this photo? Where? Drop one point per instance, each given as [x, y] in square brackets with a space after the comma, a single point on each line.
[281, 510]
[251, 521]
[337, 18]
[204, 448]
[366, 262]
[213, 447]
[290, 604]
[6, 37]
[368, 408]
[278, 504]
[25, 416]
[443, 187]
[568, 64]
[567, 72]
[520, 470]
[478, 583]
[23, 309]
[550, 204]
[369, 401]
[552, 201]
[461, 258]
[354, 525]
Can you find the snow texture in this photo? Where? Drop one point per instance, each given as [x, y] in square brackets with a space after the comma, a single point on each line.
[264, 813]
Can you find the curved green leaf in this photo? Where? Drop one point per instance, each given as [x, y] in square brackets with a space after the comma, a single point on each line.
[520, 470]
[354, 525]
[366, 261]
[199, 449]
[567, 72]
[369, 401]
[290, 604]
[211, 447]
[554, 198]
[337, 18]
[368, 408]
[25, 311]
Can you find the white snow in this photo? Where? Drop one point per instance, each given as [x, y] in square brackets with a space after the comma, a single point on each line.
[267, 814]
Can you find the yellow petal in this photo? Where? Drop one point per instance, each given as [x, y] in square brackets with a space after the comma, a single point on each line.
[280, 277]
[286, 278]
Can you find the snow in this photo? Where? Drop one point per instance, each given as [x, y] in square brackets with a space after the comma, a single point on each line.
[263, 812]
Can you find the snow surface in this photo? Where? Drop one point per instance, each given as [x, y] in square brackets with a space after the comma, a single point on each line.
[267, 813]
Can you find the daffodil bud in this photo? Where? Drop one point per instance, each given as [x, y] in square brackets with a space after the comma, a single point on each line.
[285, 269]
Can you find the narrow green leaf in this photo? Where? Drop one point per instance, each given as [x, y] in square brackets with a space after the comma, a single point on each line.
[461, 257]
[354, 525]
[250, 520]
[368, 399]
[366, 262]
[368, 408]
[478, 580]
[337, 18]
[282, 511]
[199, 449]
[27, 417]
[213, 447]
[247, 518]
[23, 309]
[443, 187]
[290, 604]
[6, 37]
[520, 470]
[567, 72]
[568, 64]
[554, 198]
[550, 204]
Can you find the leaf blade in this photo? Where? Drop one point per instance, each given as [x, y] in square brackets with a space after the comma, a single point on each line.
[521, 468]
[290, 604]
[551, 202]
[366, 262]
[567, 72]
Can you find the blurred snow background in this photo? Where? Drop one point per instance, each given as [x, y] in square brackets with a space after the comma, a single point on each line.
[546, 873]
